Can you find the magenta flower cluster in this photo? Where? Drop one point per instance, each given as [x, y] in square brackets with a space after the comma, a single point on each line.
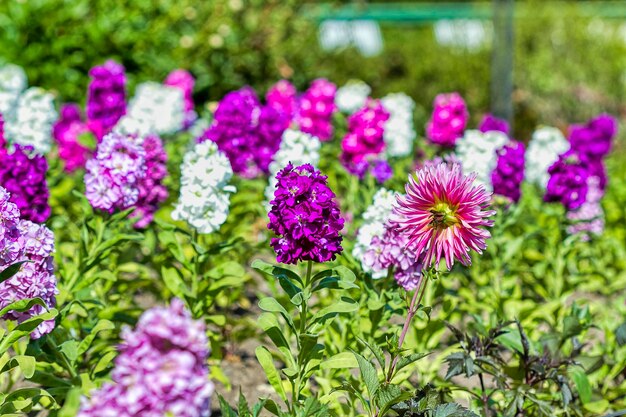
[67, 131]
[448, 120]
[23, 174]
[247, 132]
[113, 176]
[106, 97]
[394, 249]
[305, 217]
[161, 369]
[568, 180]
[184, 81]
[283, 97]
[507, 176]
[152, 192]
[595, 138]
[22, 240]
[364, 140]
[316, 108]
[491, 123]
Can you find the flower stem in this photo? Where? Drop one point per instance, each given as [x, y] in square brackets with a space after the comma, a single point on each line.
[413, 307]
[307, 282]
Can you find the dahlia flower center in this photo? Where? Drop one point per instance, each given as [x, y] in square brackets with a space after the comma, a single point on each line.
[443, 215]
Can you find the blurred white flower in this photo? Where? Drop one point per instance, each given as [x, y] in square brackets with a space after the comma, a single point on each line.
[296, 147]
[352, 96]
[12, 82]
[399, 133]
[374, 219]
[204, 200]
[543, 150]
[31, 124]
[477, 152]
[161, 108]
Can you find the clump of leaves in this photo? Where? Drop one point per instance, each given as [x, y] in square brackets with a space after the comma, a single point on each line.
[519, 376]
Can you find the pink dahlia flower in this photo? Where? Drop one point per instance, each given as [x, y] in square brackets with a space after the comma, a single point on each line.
[445, 214]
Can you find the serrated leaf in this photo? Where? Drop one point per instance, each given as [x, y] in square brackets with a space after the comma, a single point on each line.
[368, 374]
[407, 360]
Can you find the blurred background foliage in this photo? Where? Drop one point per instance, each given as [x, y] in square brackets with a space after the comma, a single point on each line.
[569, 65]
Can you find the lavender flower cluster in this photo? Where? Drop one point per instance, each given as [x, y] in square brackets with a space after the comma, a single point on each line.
[161, 370]
[113, 176]
[508, 174]
[364, 140]
[152, 192]
[448, 120]
[395, 249]
[304, 216]
[247, 132]
[23, 240]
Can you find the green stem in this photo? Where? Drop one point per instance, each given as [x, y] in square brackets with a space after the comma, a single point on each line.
[295, 394]
[413, 307]
[195, 261]
[57, 353]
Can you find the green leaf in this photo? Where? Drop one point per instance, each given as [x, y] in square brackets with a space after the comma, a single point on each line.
[23, 305]
[345, 305]
[377, 351]
[272, 305]
[226, 409]
[70, 350]
[620, 334]
[267, 363]
[174, 282]
[102, 325]
[11, 270]
[276, 271]
[71, 403]
[104, 362]
[25, 363]
[342, 360]
[407, 360]
[368, 374]
[579, 376]
[390, 395]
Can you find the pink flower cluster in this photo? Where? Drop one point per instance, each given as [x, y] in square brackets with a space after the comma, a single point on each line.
[364, 140]
[67, 131]
[394, 249]
[160, 371]
[448, 120]
[114, 174]
[23, 174]
[588, 219]
[152, 192]
[316, 108]
[184, 81]
[22, 240]
[106, 97]
[283, 97]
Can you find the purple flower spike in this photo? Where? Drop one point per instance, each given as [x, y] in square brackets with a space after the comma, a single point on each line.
[305, 217]
[491, 123]
[568, 180]
[106, 97]
[24, 177]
